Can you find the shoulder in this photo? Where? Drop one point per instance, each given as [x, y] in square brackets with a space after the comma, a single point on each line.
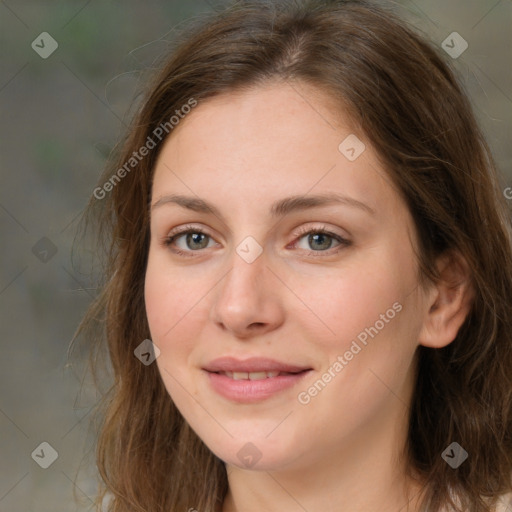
[505, 503]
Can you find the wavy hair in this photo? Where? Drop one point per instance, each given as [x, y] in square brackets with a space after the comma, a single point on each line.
[397, 87]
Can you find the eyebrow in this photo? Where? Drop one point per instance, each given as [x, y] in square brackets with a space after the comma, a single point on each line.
[278, 209]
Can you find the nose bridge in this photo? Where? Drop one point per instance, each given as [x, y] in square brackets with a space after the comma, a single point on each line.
[245, 296]
[244, 282]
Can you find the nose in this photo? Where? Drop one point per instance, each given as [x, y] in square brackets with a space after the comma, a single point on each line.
[247, 301]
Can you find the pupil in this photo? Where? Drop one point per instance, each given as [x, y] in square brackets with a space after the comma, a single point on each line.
[195, 238]
[325, 237]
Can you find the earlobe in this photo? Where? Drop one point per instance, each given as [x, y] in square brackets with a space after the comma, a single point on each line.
[448, 302]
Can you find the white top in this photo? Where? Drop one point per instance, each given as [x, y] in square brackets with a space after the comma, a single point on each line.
[504, 504]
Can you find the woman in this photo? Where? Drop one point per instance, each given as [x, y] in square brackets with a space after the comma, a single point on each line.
[309, 284]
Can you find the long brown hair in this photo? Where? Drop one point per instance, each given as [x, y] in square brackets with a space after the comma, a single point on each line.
[407, 101]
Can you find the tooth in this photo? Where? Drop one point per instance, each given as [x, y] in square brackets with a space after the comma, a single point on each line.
[240, 375]
[257, 375]
[272, 374]
[228, 374]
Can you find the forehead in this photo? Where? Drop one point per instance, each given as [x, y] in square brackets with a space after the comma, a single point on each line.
[255, 146]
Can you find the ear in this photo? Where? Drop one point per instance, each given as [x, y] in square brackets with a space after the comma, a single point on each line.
[448, 301]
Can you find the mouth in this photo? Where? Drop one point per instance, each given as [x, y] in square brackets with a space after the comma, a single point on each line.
[255, 375]
[253, 365]
[252, 380]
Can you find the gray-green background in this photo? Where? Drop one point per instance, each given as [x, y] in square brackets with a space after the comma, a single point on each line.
[60, 117]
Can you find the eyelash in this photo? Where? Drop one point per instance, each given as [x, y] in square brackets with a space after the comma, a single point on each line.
[343, 243]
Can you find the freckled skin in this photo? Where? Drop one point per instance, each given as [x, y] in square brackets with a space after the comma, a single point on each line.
[241, 153]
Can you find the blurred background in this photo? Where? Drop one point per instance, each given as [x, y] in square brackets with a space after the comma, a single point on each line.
[69, 74]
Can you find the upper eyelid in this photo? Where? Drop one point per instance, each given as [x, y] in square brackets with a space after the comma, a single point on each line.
[300, 233]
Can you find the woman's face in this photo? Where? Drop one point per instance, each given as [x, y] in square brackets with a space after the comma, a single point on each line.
[288, 321]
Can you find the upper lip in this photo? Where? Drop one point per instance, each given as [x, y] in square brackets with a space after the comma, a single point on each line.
[253, 364]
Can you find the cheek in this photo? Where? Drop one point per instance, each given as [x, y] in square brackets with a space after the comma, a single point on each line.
[172, 309]
[369, 354]
[172, 298]
[160, 303]
[338, 306]
[173, 306]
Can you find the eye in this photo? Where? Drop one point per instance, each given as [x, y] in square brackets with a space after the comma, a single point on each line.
[194, 239]
[320, 240]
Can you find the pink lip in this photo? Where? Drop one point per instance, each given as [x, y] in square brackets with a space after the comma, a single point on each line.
[253, 364]
[251, 391]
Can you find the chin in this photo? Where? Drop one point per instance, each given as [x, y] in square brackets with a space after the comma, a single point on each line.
[254, 452]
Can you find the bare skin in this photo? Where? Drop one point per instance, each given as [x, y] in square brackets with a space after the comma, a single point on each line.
[303, 301]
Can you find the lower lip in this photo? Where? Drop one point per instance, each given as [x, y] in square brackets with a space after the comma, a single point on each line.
[250, 391]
